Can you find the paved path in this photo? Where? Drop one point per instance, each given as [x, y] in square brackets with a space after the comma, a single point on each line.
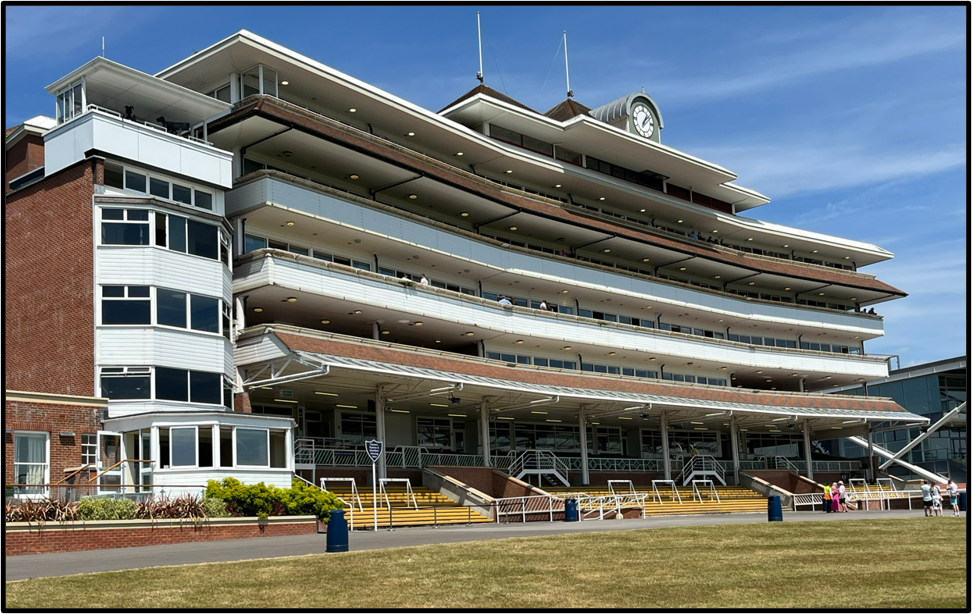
[90, 561]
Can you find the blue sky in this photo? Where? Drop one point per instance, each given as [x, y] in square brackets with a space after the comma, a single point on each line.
[852, 119]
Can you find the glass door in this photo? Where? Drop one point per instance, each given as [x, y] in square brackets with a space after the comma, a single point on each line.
[109, 461]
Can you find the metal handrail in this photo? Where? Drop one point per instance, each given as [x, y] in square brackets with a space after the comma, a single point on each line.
[74, 473]
[148, 124]
[127, 460]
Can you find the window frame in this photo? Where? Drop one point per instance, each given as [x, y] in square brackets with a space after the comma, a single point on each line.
[45, 490]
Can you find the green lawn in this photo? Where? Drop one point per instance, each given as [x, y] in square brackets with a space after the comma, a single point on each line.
[853, 564]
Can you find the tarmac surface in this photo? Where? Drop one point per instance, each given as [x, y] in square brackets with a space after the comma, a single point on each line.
[92, 561]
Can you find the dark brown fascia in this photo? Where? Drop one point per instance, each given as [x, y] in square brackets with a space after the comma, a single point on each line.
[402, 355]
[334, 131]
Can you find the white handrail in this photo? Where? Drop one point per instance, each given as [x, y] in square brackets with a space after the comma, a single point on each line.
[354, 488]
[408, 491]
[657, 494]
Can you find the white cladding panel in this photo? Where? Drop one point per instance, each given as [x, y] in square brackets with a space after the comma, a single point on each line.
[140, 144]
[250, 351]
[335, 284]
[193, 481]
[119, 409]
[395, 227]
[157, 266]
[162, 347]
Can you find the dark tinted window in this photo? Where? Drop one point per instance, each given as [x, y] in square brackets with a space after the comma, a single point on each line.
[205, 313]
[130, 387]
[160, 188]
[134, 181]
[171, 384]
[203, 239]
[205, 387]
[204, 200]
[126, 312]
[177, 233]
[124, 234]
[182, 194]
[171, 308]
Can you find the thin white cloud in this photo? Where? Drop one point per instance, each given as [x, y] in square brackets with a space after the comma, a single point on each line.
[834, 48]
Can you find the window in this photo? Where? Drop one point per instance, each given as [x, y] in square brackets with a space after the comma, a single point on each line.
[124, 227]
[434, 432]
[182, 446]
[567, 155]
[171, 307]
[70, 102]
[89, 448]
[358, 427]
[205, 313]
[221, 93]
[171, 384]
[126, 383]
[126, 305]
[252, 447]
[253, 243]
[521, 140]
[206, 387]
[31, 462]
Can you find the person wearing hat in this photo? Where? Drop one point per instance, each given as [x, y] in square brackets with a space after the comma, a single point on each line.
[834, 498]
[843, 496]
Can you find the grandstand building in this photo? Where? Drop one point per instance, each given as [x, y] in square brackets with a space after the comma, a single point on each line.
[250, 263]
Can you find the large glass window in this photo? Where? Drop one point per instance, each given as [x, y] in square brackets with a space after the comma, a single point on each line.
[205, 313]
[126, 227]
[434, 433]
[205, 387]
[171, 384]
[182, 442]
[356, 428]
[31, 462]
[203, 239]
[171, 309]
[131, 383]
[252, 447]
[70, 102]
[126, 305]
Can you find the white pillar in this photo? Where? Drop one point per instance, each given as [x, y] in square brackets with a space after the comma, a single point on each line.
[806, 448]
[734, 444]
[484, 432]
[585, 471]
[240, 318]
[380, 428]
[664, 440]
[215, 445]
[870, 453]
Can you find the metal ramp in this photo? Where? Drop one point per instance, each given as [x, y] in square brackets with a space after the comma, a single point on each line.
[702, 468]
[539, 462]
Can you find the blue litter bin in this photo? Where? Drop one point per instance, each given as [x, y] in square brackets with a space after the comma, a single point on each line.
[774, 507]
[570, 511]
[337, 532]
[962, 496]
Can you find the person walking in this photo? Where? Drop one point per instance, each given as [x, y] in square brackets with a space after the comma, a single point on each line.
[952, 489]
[843, 496]
[926, 498]
[937, 501]
[826, 499]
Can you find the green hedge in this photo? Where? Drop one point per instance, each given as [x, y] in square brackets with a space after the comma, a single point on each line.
[263, 501]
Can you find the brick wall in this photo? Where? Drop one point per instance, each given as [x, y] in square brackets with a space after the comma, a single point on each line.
[49, 278]
[52, 418]
[241, 403]
[81, 538]
[26, 155]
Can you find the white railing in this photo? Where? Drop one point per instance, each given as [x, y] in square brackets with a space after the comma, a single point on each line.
[702, 465]
[656, 494]
[147, 124]
[354, 488]
[538, 461]
[527, 506]
[713, 493]
[812, 499]
[782, 462]
[408, 491]
[616, 503]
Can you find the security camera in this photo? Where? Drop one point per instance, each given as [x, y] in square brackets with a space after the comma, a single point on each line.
[644, 416]
[454, 400]
[791, 426]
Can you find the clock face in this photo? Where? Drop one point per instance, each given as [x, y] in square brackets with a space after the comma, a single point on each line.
[643, 122]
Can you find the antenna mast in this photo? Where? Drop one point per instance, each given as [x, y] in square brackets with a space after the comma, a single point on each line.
[102, 46]
[479, 32]
[570, 92]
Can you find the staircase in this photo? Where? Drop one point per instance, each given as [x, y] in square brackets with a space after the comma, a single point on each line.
[539, 462]
[432, 509]
[702, 468]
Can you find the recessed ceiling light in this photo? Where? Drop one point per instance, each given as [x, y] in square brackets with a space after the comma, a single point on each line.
[787, 288]
[759, 372]
[566, 347]
[385, 332]
[258, 309]
[419, 324]
[438, 340]
[646, 259]
[285, 83]
[464, 214]
[470, 334]
[352, 176]
[820, 294]
[814, 252]
[513, 228]
[508, 171]
[717, 277]
[679, 221]
[715, 231]
[787, 245]
[356, 311]
[413, 196]
[612, 353]
[607, 251]
[458, 153]
[564, 292]
[287, 153]
[291, 299]
[290, 223]
[601, 198]
[556, 185]
[411, 134]
[749, 239]
[325, 321]
[642, 211]
[352, 110]
[681, 268]
[752, 283]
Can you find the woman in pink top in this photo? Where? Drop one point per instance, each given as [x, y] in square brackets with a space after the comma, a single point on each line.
[835, 498]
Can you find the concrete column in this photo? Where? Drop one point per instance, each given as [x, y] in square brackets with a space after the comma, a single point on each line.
[240, 317]
[806, 448]
[734, 444]
[870, 453]
[581, 420]
[380, 428]
[484, 432]
[215, 445]
[375, 330]
[667, 462]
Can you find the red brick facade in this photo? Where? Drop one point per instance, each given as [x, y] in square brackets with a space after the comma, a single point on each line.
[49, 279]
[26, 155]
[73, 538]
[27, 412]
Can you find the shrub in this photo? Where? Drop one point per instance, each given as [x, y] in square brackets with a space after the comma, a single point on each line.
[104, 508]
[262, 501]
[37, 510]
[180, 507]
[303, 498]
[214, 507]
